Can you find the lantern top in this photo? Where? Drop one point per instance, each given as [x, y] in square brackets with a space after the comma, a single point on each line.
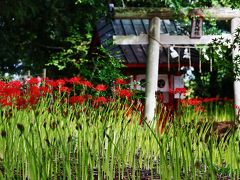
[196, 13]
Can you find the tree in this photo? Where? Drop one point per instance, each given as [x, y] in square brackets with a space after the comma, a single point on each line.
[31, 31]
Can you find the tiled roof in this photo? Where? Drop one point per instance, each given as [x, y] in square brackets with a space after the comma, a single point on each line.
[137, 54]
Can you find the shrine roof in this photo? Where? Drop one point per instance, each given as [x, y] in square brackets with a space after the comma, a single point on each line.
[137, 54]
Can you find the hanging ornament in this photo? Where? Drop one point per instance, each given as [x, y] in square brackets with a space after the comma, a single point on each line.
[173, 53]
[186, 54]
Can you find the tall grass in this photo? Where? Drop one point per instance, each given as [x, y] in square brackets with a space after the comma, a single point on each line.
[59, 141]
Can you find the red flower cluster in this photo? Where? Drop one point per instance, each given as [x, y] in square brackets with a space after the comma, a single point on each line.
[9, 92]
[101, 87]
[33, 81]
[215, 99]
[23, 94]
[197, 102]
[120, 81]
[74, 80]
[77, 99]
[191, 101]
[237, 108]
[86, 83]
[99, 101]
[123, 93]
[199, 109]
[178, 90]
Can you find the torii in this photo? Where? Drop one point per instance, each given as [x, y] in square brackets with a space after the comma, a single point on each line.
[153, 39]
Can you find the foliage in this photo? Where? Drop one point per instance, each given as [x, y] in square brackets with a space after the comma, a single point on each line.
[105, 67]
[31, 31]
[224, 70]
[75, 54]
[98, 66]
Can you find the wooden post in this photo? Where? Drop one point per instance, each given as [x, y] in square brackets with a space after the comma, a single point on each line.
[28, 73]
[44, 73]
[235, 23]
[152, 68]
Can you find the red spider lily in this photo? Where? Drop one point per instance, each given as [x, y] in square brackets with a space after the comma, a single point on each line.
[101, 87]
[5, 102]
[34, 91]
[100, 100]
[211, 99]
[60, 82]
[45, 90]
[10, 92]
[194, 101]
[88, 97]
[33, 81]
[2, 84]
[181, 90]
[237, 107]
[123, 93]
[64, 89]
[228, 99]
[15, 84]
[199, 109]
[86, 83]
[33, 100]
[178, 90]
[77, 99]
[207, 100]
[51, 83]
[74, 80]
[187, 102]
[120, 81]
[21, 103]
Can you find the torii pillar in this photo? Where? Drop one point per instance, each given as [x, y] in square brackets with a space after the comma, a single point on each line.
[235, 23]
[152, 68]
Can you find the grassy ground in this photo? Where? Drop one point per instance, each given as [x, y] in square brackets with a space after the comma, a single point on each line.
[59, 141]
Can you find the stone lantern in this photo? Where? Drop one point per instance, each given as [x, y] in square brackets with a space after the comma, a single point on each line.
[196, 16]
